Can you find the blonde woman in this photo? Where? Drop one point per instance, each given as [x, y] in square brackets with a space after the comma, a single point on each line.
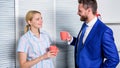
[33, 45]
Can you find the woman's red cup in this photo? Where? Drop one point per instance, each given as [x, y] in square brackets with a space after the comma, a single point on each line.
[53, 48]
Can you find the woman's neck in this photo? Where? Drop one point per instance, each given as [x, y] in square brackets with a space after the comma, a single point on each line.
[36, 32]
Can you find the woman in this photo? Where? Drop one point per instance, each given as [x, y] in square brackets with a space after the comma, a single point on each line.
[33, 45]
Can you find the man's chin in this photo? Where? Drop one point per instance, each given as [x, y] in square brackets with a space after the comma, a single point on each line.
[82, 19]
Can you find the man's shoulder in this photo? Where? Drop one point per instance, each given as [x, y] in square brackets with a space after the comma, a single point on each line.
[102, 25]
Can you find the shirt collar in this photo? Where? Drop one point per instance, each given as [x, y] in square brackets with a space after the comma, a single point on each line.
[31, 33]
[92, 22]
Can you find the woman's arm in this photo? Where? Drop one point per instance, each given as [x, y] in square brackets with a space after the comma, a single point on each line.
[27, 64]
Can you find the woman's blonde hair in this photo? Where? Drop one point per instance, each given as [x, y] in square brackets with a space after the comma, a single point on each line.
[29, 17]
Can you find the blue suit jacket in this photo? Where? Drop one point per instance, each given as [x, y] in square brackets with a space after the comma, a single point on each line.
[98, 45]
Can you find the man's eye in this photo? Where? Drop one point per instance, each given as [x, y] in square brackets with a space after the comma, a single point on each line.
[79, 11]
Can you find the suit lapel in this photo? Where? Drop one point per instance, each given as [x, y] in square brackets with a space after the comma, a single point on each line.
[81, 30]
[79, 33]
[92, 32]
[78, 36]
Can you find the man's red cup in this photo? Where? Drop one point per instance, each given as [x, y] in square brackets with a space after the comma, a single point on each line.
[53, 48]
[64, 35]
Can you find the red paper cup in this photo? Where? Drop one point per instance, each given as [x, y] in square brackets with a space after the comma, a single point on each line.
[64, 35]
[53, 48]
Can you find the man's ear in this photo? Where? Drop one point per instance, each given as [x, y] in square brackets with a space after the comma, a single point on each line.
[89, 9]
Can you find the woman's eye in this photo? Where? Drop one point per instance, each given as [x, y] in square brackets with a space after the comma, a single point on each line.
[37, 19]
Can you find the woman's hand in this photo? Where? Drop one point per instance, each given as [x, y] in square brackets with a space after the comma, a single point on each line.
[50, 54]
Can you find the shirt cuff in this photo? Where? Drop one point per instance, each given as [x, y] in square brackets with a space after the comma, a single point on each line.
[69, 42]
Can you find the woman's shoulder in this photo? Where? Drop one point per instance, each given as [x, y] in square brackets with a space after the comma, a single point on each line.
[25, 36]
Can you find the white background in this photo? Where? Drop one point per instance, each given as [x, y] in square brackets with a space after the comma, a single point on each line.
[109, 10]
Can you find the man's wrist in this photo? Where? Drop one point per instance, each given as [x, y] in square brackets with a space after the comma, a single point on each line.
[70, 41]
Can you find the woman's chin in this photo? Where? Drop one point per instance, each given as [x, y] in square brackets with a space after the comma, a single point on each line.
[40, 26]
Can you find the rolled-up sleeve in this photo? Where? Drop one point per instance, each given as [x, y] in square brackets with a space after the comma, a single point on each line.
[22, 45]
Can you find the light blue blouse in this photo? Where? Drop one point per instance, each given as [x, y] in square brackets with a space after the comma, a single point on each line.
[35, 47]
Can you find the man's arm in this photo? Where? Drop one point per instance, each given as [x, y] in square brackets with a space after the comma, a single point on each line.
[109, 50]
[73, 41]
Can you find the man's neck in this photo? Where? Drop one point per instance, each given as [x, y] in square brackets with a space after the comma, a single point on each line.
[91, 17]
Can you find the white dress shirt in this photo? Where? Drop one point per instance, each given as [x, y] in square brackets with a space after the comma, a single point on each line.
[88, 29]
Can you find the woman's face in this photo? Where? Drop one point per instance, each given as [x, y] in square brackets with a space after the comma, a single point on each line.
[36, 21]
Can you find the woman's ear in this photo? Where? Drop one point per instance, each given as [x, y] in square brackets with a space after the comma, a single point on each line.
[29, 22]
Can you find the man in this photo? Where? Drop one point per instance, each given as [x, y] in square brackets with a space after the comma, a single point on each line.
[94, 45]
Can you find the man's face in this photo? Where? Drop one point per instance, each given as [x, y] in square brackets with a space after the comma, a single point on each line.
[82, 13]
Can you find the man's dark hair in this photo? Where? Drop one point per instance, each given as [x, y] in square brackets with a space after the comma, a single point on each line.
[89, 4]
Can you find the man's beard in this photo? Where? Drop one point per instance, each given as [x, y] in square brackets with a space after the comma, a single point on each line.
[83, 18]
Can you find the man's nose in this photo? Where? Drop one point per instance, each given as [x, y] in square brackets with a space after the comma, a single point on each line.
[78, 13]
